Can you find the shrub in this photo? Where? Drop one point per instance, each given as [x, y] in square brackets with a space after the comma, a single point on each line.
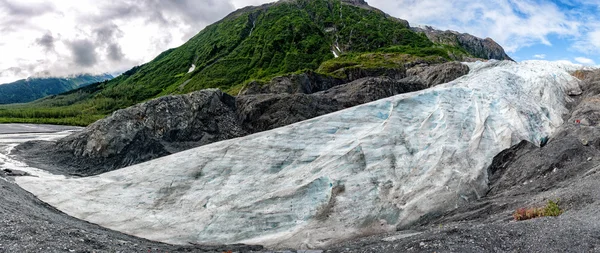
[551, 209]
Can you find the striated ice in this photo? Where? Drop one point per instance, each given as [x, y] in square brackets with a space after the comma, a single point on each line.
[363, 170]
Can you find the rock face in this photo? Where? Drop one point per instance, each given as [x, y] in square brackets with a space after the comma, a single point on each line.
[438, 74]
[480, 48]
[175, 123]
[152, 129]
[267, 111]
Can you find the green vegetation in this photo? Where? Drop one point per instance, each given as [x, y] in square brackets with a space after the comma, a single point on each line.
[551, 209]
[339, 67]
[255, 43]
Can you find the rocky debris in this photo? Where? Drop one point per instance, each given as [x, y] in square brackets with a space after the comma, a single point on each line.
[480, 48]
[175, 123]
[13, 173]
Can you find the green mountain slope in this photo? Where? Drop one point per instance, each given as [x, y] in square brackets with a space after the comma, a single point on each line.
[27, 90]
[253, 43]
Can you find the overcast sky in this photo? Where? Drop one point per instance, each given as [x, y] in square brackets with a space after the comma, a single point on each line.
[57, 38]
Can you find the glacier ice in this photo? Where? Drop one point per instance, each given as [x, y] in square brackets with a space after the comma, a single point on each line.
[363, 170]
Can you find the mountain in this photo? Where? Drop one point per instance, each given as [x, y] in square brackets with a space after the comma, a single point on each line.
[259, 43]
[27, 90]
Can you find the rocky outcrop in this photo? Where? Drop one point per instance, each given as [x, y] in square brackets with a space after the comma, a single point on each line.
[480, 48]
[438, 74]
[171, 124]
[148, 130]
[267, 111]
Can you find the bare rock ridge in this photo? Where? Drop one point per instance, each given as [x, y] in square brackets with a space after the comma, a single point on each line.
[175, 123]
[480, 48]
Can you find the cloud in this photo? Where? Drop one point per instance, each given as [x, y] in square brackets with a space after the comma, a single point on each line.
[13, 71]
[84, 53]
[107, 33]
[115, 53]
[96, 36]
[539, 56]
[19, 8]
[513, 24]
[192, 14]
[589, 43]
[16, 15]
[46, 41]
[585, 61]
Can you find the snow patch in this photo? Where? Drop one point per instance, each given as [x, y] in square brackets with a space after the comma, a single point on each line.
[192, 68]
[363, 170]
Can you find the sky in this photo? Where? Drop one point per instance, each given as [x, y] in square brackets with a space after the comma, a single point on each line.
[60, 38]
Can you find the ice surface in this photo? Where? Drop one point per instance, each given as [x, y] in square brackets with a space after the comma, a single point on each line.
[363, 170]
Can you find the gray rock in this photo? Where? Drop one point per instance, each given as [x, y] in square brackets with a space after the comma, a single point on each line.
[438, 74]
[267, 111]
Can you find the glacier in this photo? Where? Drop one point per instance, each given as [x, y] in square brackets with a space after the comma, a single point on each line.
[364, 170]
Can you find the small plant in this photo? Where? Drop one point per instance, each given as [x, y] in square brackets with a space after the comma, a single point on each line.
[551, 209]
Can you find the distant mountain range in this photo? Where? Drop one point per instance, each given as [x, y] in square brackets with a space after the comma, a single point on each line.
[30, 89]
